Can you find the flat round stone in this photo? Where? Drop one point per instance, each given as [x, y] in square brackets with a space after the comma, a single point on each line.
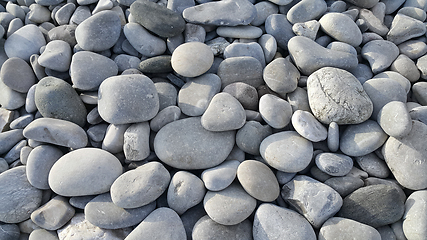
[192, 59]
[281, 76]
[334, 164]
[414, 224]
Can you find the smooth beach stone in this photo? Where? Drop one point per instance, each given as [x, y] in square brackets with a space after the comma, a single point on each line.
[406, 67]
[167, 94]
[362, 72]
[342, 28]
[372, 22]
[361, 139]
[177, 6]
[327, 102]
[103, 213]
[206, 228]
[53, 214]
[269, 45]
[422, 66]
[18, 198]
[81, 201]
[162, 223]
[185, 191]
[306, 10]
[337, 227]
[194, 97]
[344, 185]
[264, 9]
[414, 222]
[275, 111]
[298, 100]
[375, 205]
[99, 32]
[406, 157]
[250, 136]
[286, 151]
[310, 56]
[229, 206]
[25, 42]
[246, 94]
[14, 153]
[68, 178]
[15, 10]
[334, 164]
[43, 234]
[224, 13]
[88, 70]
[97, 132]
[63, 15]
[281, 76]
[55, 98]
[65, 33]
[21, 122]
[380, 54]
[143, 41]
[316, 201]
[127, 99]
[10, 99]
[373, 165]
[224, 113]
[113, 141]
[125, 62]
[10, 138]
[158, 64]
[307, 29]
[221, 176]
[394, 119]
[274, 222]
[418, 90]
[139, 187]
[406, 84]
[40, 161]
[185, 144]
[419, 113]
[17, 75]
[413, 12]
[382, 91]
[30, 104]
[404, 28]
[136, 141]
[280, 28]
[192, 59]
[264, 187]
[308, 126]
[165, 116]
[56, 131]
[239, 32]
[241, 69]
[10, 232]
[80, 14]
[252, 49]
[80, 228]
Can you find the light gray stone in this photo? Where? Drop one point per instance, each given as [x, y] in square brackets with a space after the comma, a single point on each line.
[206, 228]
[380, 54]
[281, 76]
[136, 141]
[306, 10]
[337, 227]
[334, 164]
[344, 185]
[275, 111]
[406, 67]
[238, 49]
[43, 234]
[192, 59]
[404, 28]
[342, 28]
[373, 165]
[53, 214]
[308, 126]
[165, 116]
[415, 223]
[113, 141]
[241, 69]
[40, 161]
[143, 41]
[280, 28]
[25, 42]
[17, 74]
[394, 119]
[250, 136]
[221, 176]
[307, 29]
[264, 9]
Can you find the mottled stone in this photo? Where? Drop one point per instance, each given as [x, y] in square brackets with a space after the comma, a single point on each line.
[185, 191]
[53, 214]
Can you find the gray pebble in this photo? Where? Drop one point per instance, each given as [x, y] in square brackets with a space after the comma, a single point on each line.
[373, 23]
[65, 33]
[338, 227]
[252, 49]
[334, 164]
[80, 14]
[392, 5]
[218, 45]
[244, 93]
[404, 28]
[281, 76]
[22, 121]
[199, 59]
[362, 72]
[43, 234]
[10, 232]
[333, 138]
[342, 28]
[308, 126]
[269, 45]
[97, 132]
[414, 223]
[221, 176]
[394, 119]
[306, 10]
[413, 12]
[63, 15]
[40, 161]
[406, 67]
[15, 152]
[380, 54]
[114, 138]
[280, 28]
[241, 69]
[24, 42]
[307, 29]
[406, 84]
[136, 141]
[275, 111]
[53, 214]
[248, 32]
[174, 5]
[167, 94]
[298, 100]
[264, 9]
[419, 113]
[344, 185]
[250, 136]
[206, 228]
[151, 46]
[165, 116]
[419, 92]
[81, 201]
[56, 56]
[4, 166]
[373, 165]
[17, 75]
[125, 62]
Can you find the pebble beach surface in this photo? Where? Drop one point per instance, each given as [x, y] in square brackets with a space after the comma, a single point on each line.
[213, 120]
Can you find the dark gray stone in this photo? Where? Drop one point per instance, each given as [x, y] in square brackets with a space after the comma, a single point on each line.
[281, 76]
[9, 139]
[344, 185]
[334, 164]
[206, 228]
[252, 49]
[250, 136]
[158, 64]
[9, 231]
[17, 74]
[280, 28]
[65, 33]
[241, 69]
[165, 116]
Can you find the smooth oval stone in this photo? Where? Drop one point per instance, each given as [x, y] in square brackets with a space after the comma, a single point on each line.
[25, 42]
[394, 119]
[280, 28]
[165, 116]
[53, 214]
[372, 22]
[281, 76]
[22, 121]
[127, 99]
[252, 49]
[373, 165]
[224, 113]
[337, 227]
[185, 144]
[143, 41]
[10, 138]
[88, 70]
[43, 234]
[239, 32]
[406, 84]
[139, 187]
[18, 198]
[185, 191]
[316, 201]
[244, 93]
[334, 164]
[414, 223]
[306, 10]
[422, 66]
[269, 45]
[113, 141]
[103, 213]
[380, 54]
[158, 64]
[206, 228]
[224, 13]
[250, 136]
[308, 126]
[275, 111]
[344, 185]
[55, 98]
[162, 223]
[274, 222]
[286, 151]
[375, 205]
[194, 97]
[157, 18]
[99, 32]
[221, 176]
[68, 178]
[382, 91]
[348, 105]
[413, 12]
[230, 206]
[17, 75]
[419, 113]
[56, 56]
[10, 99]
[167, 94]
[342, 28]
[406, 157]
[264, 187]
[418, 90]
[363, 3]
[309, 56]
[361, 139]
[40, 161]
[56, 131]
[404, 28]
[192, 59]
[241, 69]
[406, 67]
